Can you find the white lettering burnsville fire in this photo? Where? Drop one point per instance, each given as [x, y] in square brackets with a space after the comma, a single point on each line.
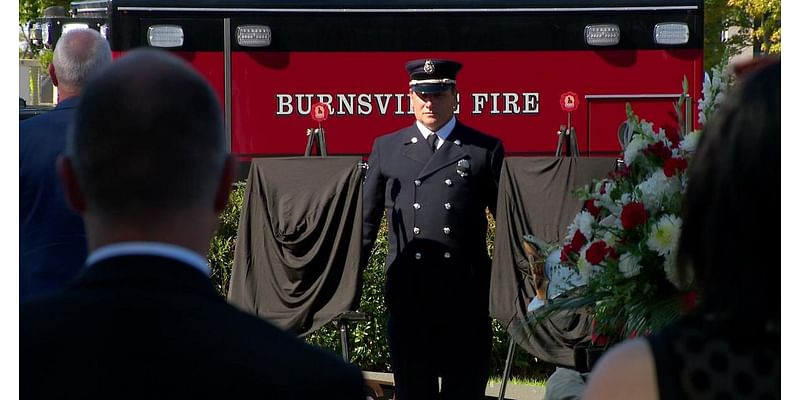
[365, 104]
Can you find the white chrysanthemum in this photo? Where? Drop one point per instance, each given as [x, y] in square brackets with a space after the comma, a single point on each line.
[629, 265]
[689, 142]
[656, 187]
[634, 149]
[664, 235]
[584, 220]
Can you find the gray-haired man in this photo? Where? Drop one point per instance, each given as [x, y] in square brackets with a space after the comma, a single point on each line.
[52, 244]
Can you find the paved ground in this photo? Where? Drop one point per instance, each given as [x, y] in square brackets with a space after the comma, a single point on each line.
[382, 385]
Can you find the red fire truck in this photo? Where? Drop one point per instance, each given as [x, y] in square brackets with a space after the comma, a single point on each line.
[270, 61]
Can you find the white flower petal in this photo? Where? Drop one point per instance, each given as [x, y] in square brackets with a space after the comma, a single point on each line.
[663, 238]
[629, 265]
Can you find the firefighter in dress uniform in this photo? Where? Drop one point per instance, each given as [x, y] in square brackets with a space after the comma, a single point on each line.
[435, 178]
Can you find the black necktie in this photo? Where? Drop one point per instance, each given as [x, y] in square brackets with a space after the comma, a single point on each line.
[432, 141]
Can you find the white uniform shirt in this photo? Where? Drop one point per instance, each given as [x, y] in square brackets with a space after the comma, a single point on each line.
[442, 133]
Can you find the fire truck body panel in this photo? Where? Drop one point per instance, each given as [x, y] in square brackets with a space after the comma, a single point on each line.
[519, 58]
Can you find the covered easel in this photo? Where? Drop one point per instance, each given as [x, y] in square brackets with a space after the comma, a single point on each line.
[298, 253]
[535, 197]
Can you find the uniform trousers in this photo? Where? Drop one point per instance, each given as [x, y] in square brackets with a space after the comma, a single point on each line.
[455, 348]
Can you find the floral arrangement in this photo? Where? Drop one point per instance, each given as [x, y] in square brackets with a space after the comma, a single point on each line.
[624, 241]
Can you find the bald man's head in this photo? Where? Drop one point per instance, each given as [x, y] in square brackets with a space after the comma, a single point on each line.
[148, 137]
[79, 55]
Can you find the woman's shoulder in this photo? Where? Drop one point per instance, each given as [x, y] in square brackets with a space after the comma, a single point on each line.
[626, 371]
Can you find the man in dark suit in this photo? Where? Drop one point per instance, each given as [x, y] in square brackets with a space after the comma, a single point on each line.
[52, 243]
[436, 178]
[147, 167]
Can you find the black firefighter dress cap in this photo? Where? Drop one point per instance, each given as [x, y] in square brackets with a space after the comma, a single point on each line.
[431, 75]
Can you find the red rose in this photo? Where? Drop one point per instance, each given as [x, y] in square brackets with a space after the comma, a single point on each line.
[689, 301]
[612, 253]
[674, 138]
[598, 339]
[578, 240]
[633, 215]
[674, 165]
[590, 206]
[596, 252]
[623, 171]
[659, 150]
[565, 253]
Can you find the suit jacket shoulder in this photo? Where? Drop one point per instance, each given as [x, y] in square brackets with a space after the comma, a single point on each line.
[162, 322]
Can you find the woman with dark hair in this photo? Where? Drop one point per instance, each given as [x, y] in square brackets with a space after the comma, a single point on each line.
[729, 346]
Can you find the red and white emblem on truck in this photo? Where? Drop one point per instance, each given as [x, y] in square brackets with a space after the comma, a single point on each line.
[569, 101]
[320, 112]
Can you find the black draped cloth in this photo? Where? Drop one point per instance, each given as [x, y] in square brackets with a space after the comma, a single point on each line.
[536, 197]
[298, 249]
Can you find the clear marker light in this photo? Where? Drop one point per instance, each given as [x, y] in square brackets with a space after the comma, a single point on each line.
[165, 36]
[72, 26]
[671, 33]
[601, 34]
[253, 35]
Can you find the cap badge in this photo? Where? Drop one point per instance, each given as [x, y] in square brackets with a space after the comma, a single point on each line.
[428, 67]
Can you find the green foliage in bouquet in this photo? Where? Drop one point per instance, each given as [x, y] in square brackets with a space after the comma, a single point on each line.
[624, 241]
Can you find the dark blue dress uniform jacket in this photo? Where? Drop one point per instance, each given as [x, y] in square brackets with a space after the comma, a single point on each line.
[52, 242]
[437, 262]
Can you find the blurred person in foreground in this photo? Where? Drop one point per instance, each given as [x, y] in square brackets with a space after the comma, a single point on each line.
[52, 241]
[147, 167]
[729, 346]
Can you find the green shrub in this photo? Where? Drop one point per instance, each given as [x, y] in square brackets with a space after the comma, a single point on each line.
[369, 348]
[220, 254]
[368, 345]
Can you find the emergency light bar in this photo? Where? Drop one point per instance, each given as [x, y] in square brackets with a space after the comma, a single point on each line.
[601, 34]
[253, 35]
[671, 33]
[165, 36]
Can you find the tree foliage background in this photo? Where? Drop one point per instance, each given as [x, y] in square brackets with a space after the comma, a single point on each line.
[760, 23]
[29, 10]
